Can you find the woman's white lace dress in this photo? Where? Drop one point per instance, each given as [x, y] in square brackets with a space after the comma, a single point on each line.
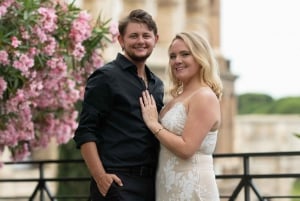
[186, 180]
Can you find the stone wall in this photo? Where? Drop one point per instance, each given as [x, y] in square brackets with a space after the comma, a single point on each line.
[264, 133]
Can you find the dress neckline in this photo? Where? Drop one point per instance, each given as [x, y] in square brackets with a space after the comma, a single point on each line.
[172, 107]
[177, 104]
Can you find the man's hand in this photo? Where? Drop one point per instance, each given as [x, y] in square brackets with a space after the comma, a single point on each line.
[105, 181]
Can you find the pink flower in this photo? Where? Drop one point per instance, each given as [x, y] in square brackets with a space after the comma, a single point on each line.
[114, 31]
[50, 46]
[81, 28]
[97, 60]
[3, 86]
[32, 52]
[62, 4]
[4, 5]
[23, 63]
[3, 10]
[42, 36]
[58, 67]
[48, 19]
[47, 63]
[15, 42]
[4, 57]
[78, 51]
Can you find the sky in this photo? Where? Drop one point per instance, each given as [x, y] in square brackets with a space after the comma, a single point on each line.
[261, 38]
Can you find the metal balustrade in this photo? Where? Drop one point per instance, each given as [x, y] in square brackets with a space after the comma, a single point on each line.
[246, 179]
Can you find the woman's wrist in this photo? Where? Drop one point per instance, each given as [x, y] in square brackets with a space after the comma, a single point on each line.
[158, 130]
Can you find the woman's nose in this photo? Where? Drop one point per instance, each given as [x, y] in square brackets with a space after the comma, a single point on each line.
[178, 59]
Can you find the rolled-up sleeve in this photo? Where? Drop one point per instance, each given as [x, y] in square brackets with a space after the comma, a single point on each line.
[95, 106]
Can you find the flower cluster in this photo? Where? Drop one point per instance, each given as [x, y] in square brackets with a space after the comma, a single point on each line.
[47, 50]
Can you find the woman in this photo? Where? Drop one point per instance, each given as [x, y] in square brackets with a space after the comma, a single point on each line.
[187, 126]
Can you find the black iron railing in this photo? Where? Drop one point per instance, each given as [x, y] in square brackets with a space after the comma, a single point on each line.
[246, 179]
[42, 191]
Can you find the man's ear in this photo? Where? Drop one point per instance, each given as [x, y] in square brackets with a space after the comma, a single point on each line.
[156, 38]
[121, 41]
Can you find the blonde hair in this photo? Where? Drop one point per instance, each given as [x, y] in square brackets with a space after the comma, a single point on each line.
[204, 56]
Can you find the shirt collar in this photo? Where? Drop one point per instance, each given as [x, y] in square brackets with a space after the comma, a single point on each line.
[125, 64]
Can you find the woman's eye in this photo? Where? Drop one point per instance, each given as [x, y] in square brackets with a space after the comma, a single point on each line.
[172, 56]
[185, 54]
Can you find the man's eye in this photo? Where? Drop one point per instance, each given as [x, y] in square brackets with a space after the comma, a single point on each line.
[132, 36]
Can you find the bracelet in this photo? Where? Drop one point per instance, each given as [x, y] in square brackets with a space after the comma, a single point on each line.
[158, 130]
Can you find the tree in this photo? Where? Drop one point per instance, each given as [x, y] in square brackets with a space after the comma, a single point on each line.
[254, 103]
[288, 105]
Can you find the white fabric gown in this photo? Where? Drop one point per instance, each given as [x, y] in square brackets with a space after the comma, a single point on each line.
[186, 180]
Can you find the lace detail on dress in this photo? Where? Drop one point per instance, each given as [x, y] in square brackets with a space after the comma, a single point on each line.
[186, 180]
[174, 119]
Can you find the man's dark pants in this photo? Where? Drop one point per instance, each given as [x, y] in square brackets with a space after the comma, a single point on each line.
[138, 185]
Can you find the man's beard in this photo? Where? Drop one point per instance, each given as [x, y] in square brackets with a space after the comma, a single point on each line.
[139, 58]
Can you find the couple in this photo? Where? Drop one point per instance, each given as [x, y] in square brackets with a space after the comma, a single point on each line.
[135, 148]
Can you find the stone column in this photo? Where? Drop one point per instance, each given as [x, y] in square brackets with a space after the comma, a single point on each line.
[170, 19]
[198, 17]
[106, 9]
[146, 5]
[215, 18]
[204, 16]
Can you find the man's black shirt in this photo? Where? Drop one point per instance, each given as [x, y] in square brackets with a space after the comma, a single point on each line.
[111, 115]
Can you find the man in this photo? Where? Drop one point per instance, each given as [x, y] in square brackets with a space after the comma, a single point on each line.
[118, 148]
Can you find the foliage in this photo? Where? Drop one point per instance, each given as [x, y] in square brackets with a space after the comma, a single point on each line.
[287, 105]
[47, 50]
[296, 190]
[252, 103]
